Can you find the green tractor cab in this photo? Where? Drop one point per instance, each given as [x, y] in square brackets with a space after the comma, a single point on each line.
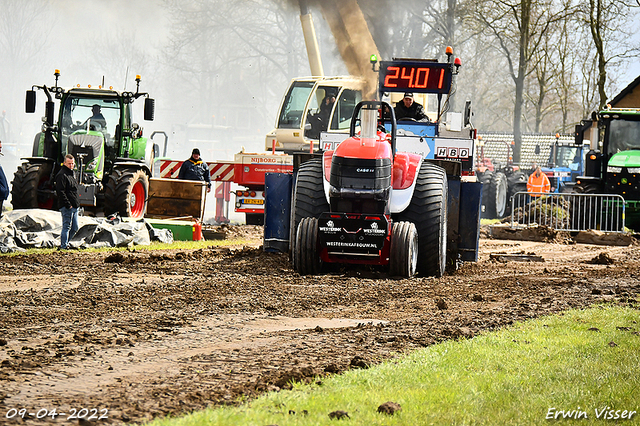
[113, 160]
[612, 165]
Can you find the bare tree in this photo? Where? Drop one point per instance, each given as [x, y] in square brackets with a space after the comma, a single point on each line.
[218, 49]
[569, 70]
[519, 26]
[118, 58]
[610, 23]
[23, 39]
[543, 79]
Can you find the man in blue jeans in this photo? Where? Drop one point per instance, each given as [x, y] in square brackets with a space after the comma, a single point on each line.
[68, 200]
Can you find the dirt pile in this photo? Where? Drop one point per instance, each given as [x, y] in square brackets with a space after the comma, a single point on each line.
[550, 212]
[143, 334]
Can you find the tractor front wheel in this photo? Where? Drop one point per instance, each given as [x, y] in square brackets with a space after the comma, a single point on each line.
[403, 258]
[33, 187]
[517, 182]
[306, 257]
[126, 193]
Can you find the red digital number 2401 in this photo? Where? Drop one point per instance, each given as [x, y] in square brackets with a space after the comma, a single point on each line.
[417, 78]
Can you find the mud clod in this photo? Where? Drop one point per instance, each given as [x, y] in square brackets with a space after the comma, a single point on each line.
[359, 362]
[338, 415]
[389, 408]
[602, 259]
[441, 304]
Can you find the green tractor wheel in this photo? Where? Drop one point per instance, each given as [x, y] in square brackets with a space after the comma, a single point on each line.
[33, 187]
[126, 193]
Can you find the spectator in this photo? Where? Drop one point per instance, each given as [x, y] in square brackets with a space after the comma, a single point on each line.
[68, 200]
[538, 183]
[4, 186]
[195, 169]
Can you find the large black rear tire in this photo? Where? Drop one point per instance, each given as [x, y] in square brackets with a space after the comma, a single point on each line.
[126, 193]
[306, 258]
[33, 186]
[496, 196]
[403, 256]
[428, 212]
[308, 196]
[517, 182]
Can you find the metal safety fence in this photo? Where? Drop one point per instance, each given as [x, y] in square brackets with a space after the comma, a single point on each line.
[568, 212]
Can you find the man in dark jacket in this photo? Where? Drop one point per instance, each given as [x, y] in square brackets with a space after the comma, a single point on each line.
[68, 200]
[407, 108]
[195, 169]
[4, 186]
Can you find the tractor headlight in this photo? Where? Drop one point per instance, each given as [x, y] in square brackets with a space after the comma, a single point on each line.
[633, 170]
[92, 165]
[612, 169]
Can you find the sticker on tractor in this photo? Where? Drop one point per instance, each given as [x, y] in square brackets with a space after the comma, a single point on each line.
[460, 149]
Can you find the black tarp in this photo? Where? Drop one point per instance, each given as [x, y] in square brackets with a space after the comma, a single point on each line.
[37, 228]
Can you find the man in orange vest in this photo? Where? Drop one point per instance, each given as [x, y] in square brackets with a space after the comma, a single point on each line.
[538, 182]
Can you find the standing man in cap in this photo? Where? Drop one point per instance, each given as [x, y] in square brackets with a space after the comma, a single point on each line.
[195, 169]
[68, 200]
[4, 186]
[408, 109]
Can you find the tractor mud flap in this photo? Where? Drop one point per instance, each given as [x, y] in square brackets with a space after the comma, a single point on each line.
[345, 235]
[469, 221]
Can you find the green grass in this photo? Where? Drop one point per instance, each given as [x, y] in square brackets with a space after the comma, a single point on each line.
[510, 377]
[176, 245]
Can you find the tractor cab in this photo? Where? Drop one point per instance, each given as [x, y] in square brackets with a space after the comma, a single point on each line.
[613, 162]
[88, 124]
[565, 164]
[310, 106]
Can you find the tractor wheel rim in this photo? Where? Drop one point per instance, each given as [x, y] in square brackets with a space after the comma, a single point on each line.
[136, 202]
[501, 201]
[413, 256]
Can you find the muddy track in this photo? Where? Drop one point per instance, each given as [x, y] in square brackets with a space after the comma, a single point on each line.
[144, 334]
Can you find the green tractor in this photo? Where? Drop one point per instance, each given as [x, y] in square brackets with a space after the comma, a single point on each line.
[113, 160]
[612, 166]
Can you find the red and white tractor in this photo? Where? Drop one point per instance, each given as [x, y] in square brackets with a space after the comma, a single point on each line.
[365, 203]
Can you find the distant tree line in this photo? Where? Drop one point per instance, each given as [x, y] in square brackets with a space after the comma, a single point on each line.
[528, 65]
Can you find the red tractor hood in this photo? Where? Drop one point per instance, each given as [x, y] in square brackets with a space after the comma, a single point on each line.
[365, 148]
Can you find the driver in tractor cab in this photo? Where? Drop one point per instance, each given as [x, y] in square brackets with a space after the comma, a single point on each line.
[407, 108]
[97, 117]
[320, 121]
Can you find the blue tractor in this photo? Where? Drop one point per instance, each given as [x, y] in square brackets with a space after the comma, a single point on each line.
[566, 163]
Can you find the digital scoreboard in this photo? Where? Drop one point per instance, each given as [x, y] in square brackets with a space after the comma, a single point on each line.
[415, 76]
